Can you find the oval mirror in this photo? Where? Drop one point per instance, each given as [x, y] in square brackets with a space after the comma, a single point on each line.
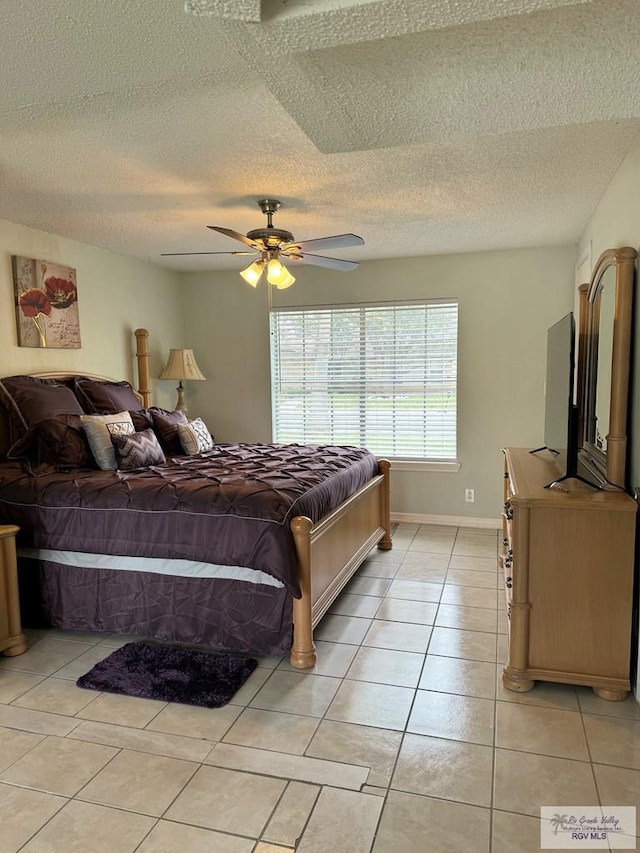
[607, 343]
[604, 359]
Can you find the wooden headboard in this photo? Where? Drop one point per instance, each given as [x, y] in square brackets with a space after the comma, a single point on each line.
[143, 392]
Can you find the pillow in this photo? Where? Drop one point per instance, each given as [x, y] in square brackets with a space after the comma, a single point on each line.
[60, 442]
[137, 450]
[166, 426]
[31, 400]
[105, 398]
[141, 419]
[99, 429]
[195, 437]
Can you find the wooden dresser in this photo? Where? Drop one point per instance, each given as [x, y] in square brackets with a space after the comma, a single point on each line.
[567, 556]
[12, 640]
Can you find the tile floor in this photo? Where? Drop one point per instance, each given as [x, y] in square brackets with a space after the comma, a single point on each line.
[401, 739]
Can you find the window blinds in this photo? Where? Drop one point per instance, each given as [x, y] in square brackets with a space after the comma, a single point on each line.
[381, 376]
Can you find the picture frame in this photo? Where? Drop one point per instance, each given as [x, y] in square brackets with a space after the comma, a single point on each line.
[47, 313]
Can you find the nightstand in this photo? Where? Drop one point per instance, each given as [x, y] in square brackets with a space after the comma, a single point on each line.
[12, 640]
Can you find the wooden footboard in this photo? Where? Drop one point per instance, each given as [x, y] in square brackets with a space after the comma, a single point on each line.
[331, 551]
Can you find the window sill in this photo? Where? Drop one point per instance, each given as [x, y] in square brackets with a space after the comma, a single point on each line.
[424, 465]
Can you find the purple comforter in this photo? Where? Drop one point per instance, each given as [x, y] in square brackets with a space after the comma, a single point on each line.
[230, 506]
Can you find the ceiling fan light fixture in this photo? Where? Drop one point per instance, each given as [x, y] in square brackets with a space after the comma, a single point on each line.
[270, 244]
[253, 273]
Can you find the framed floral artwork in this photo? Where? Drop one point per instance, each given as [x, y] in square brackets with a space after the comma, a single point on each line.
[46, 304]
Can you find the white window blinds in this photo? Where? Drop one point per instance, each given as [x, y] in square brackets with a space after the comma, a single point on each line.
[381, 376]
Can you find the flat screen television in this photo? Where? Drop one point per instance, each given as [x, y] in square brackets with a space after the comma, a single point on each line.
[560, 412]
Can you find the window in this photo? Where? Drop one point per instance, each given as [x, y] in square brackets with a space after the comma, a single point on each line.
[381, 376]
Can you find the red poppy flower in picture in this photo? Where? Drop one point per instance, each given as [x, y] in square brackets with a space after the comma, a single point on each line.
[46, 304]
[60, 291]
[35, 305]
[34, 302]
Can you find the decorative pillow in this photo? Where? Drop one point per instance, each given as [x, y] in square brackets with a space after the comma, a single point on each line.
[195, 437]
[105, 398]
[137, 450]
[166, 426]
[31, 400]
[141, 419]
[60, 442]
[99, 429]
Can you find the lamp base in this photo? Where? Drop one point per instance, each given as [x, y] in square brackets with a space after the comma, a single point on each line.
[180, 405]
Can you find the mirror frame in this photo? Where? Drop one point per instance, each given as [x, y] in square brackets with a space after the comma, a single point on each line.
[608, 468]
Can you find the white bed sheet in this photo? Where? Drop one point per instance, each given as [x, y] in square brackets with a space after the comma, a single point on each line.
[159, 566]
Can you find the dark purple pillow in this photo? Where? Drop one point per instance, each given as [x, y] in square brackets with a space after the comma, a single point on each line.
[100, 397]
[60, 442]
[31, 400]
[166, 426]
[137, 450]
[141, 418]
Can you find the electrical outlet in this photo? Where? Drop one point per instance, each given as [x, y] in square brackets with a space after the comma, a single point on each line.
[469, 496]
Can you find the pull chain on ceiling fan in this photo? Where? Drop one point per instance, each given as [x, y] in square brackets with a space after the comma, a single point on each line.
[273, 245]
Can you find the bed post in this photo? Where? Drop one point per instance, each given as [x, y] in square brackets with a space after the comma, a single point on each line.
[142, 354]
[303, 650]
[385, 544]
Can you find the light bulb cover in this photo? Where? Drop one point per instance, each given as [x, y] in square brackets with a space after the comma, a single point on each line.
[253, 273]
[276, 272]
[286, 282]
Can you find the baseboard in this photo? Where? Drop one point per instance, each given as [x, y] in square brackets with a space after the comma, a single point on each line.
[452, 520]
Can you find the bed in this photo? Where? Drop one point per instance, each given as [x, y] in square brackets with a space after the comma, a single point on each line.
[241, 547]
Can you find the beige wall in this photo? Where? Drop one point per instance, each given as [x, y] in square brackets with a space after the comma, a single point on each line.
[115, 296]
[507, 300]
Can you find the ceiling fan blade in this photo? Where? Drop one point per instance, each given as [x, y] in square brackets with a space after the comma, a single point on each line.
[171, 254]
[321, 261]
[237, 236]
[339, 241]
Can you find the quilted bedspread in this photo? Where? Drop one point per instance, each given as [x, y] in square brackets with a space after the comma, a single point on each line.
[230, 506]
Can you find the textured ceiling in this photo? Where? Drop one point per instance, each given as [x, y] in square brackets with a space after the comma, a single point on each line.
[425, 127]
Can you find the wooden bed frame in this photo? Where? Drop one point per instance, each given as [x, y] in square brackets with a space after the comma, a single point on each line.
[329, 552]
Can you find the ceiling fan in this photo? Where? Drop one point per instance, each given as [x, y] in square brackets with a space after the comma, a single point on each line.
[273, 245]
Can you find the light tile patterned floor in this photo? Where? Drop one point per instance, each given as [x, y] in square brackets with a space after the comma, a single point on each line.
[402, 738]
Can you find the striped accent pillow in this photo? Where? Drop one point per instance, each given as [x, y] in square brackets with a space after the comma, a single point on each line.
[195, 437]
[137, 450]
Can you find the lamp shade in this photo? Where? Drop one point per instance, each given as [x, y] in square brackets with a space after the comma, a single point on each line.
[286, 281]
[275, 272]
[181, 364]
[252, 273]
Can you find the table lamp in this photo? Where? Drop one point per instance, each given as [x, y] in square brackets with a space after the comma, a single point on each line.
[180, 365]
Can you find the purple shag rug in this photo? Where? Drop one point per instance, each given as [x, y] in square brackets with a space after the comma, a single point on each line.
[172, 674]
